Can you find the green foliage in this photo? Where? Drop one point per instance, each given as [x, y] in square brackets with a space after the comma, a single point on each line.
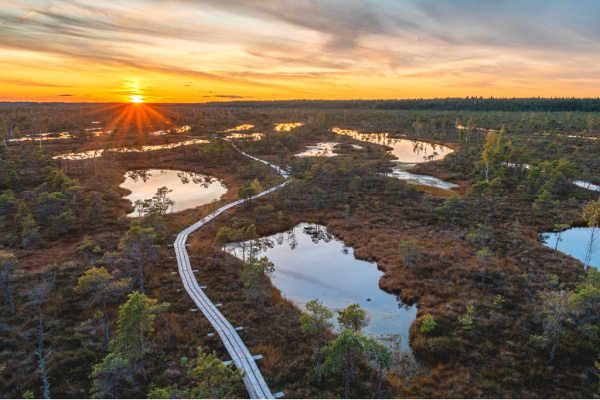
[591, 213]
[8, 203]
[138, 245]
[466, 319]
[210, 378]
[499, 300]
[544, 202]
[479, 235]
[315, 322]
[450, 206]
[29, 395]
[411, 252]
[125, 361]
[428, 324]
[340, 354]
[411, 192]
[29, 232]
[100, 287]
[485, 256]
[479, 190]
[255, 276]
[263, 212]
[8, 272]
[353, 318]
[63, 222]
[169, 392]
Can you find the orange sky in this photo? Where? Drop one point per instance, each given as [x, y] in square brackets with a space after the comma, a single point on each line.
[220, 50]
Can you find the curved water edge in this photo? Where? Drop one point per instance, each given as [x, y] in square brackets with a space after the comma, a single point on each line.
[405, 150]
[400, 171]
[575, 242]
[189, 189]
[324, 149]
[586, 185]
[86, 155]
[312, 263]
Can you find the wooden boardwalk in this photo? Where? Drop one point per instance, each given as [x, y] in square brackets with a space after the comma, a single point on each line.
[253, 379]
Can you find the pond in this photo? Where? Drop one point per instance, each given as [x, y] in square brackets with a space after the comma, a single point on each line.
[189, 189]
[288, 126]
[325, 149]
[574, 242]
[400, 171]
[587, 185]
[407, 151]
[85, 155]
[244, 127]
[246, 136]
[311, 263]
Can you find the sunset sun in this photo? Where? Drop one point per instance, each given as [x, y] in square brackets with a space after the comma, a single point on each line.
[136, 99]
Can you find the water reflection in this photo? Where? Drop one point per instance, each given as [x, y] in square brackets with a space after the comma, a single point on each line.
[248, 136]
[244, 127]
[189, 189]
[311, 263]
[286, 127]
[400, 172]
[574, 242]
[325, 149]
[44, 136]
[408, 151]
[97, 153]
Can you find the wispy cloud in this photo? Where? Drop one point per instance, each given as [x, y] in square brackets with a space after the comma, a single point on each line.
[303, 47]
[23, 82]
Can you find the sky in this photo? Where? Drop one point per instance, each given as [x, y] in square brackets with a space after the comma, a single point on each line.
[223, 50]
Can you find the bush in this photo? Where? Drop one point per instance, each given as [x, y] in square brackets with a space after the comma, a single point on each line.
[428, 324]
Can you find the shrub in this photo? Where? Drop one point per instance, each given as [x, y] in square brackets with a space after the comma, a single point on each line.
[428, 324]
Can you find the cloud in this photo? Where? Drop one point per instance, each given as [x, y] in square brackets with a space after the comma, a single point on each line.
[229, 96]
[23, 82]
[304, 45]
[65, 95]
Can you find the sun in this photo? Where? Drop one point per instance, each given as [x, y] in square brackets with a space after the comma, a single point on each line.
[136, 99]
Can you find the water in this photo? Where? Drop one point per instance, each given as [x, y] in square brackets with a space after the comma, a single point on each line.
[288, 126]
[587, 185]
[252, 136]
[311, 263]
[189, 189]
[574, 242]
[244, 127]
[325, 149]
[400, 172]
[84, 155]
[406, 151]
[43, 136]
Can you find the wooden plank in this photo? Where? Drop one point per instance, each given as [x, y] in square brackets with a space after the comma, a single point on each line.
[240, 355]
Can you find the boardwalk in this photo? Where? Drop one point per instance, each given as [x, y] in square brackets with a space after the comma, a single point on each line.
[254, 381]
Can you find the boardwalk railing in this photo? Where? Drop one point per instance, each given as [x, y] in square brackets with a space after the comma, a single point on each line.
[240, 355]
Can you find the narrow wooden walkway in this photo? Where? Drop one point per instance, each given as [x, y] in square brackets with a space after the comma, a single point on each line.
[253, 379]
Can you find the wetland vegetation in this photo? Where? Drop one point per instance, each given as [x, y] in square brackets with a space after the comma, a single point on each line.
[488, 310]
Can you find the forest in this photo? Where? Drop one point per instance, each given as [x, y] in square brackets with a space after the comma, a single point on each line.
[93, 305]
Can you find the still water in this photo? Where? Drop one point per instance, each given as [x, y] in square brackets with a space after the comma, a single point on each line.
[189, 189]
[325, 149]
[85, 155]
[400, 172]
[574, 242]
[287, 126]
[406, 151]
[311, 263]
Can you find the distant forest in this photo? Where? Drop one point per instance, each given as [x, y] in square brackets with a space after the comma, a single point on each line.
[537, 104]
[448, 104]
